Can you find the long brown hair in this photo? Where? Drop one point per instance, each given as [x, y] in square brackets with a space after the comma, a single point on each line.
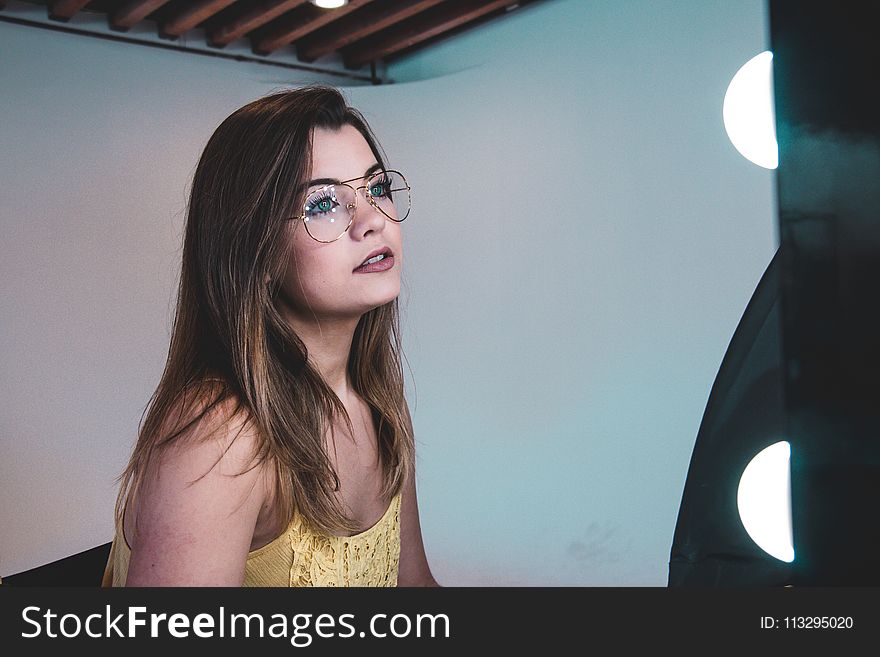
[227, 326]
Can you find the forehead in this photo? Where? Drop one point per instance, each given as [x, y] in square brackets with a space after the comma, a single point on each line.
[341, 154]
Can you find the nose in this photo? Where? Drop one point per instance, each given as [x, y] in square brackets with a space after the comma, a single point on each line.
[366, 216]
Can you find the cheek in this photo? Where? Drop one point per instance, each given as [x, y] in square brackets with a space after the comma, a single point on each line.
[393, 235]
[398, 240]
[299, 265]
[311, 270]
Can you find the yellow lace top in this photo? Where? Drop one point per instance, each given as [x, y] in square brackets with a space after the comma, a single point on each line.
[301, 556]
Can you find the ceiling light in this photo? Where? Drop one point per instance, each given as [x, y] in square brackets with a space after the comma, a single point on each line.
[329, 4]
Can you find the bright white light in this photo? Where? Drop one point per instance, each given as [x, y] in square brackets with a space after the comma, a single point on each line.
[764, 501]
[749, 117]
[329, 4]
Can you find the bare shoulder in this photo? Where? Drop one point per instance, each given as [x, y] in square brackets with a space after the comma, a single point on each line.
[200, 502]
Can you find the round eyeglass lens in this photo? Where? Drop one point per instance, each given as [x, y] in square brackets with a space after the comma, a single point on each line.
[328, 211]
[391, 194]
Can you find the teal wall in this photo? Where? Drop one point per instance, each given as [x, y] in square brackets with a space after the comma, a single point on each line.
[583, 242]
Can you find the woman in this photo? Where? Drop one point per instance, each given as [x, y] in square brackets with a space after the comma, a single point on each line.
[278, 448]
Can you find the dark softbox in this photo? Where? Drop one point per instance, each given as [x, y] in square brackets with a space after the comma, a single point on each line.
[744, 414]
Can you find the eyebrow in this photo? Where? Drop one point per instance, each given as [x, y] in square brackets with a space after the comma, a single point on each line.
[326, 181]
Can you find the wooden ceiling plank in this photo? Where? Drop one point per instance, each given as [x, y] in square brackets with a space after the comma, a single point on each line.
[64, 10]
[423, 27]
[250, 20]
[292, 29]
[354, 28]
[191, 15]
[126, 16]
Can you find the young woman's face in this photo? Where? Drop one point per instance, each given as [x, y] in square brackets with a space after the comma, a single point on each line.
[320, 279]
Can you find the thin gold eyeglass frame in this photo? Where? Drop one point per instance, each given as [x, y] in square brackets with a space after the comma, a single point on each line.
[370, 200]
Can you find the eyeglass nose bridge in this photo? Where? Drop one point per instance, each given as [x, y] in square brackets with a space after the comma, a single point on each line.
[369, 197]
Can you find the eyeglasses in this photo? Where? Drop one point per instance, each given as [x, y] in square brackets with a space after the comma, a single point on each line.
[329, 211]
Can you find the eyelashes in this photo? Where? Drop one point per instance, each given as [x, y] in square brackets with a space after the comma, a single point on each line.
[317, 203]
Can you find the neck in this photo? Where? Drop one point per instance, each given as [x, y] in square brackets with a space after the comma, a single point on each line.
[328, 343]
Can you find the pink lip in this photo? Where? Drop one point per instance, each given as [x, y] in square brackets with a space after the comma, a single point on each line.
[384, 250]
[384, 264]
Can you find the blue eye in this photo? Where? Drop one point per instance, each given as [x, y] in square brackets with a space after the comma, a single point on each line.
[320, 204]
[381, 188]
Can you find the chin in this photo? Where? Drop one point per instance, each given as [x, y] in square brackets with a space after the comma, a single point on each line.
[382, 299]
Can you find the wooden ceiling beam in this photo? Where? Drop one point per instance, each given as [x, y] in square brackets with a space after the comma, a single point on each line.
[294, 28]
[354, 28]
[443, 18]
[63, 10]
[250, 20]
[192, 15]
[132, 12]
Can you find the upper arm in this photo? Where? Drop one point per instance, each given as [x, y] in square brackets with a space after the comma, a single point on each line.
[199, 534]
[413, 569]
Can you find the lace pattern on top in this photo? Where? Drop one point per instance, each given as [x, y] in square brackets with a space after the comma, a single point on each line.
[301, 556]
[366, 559]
